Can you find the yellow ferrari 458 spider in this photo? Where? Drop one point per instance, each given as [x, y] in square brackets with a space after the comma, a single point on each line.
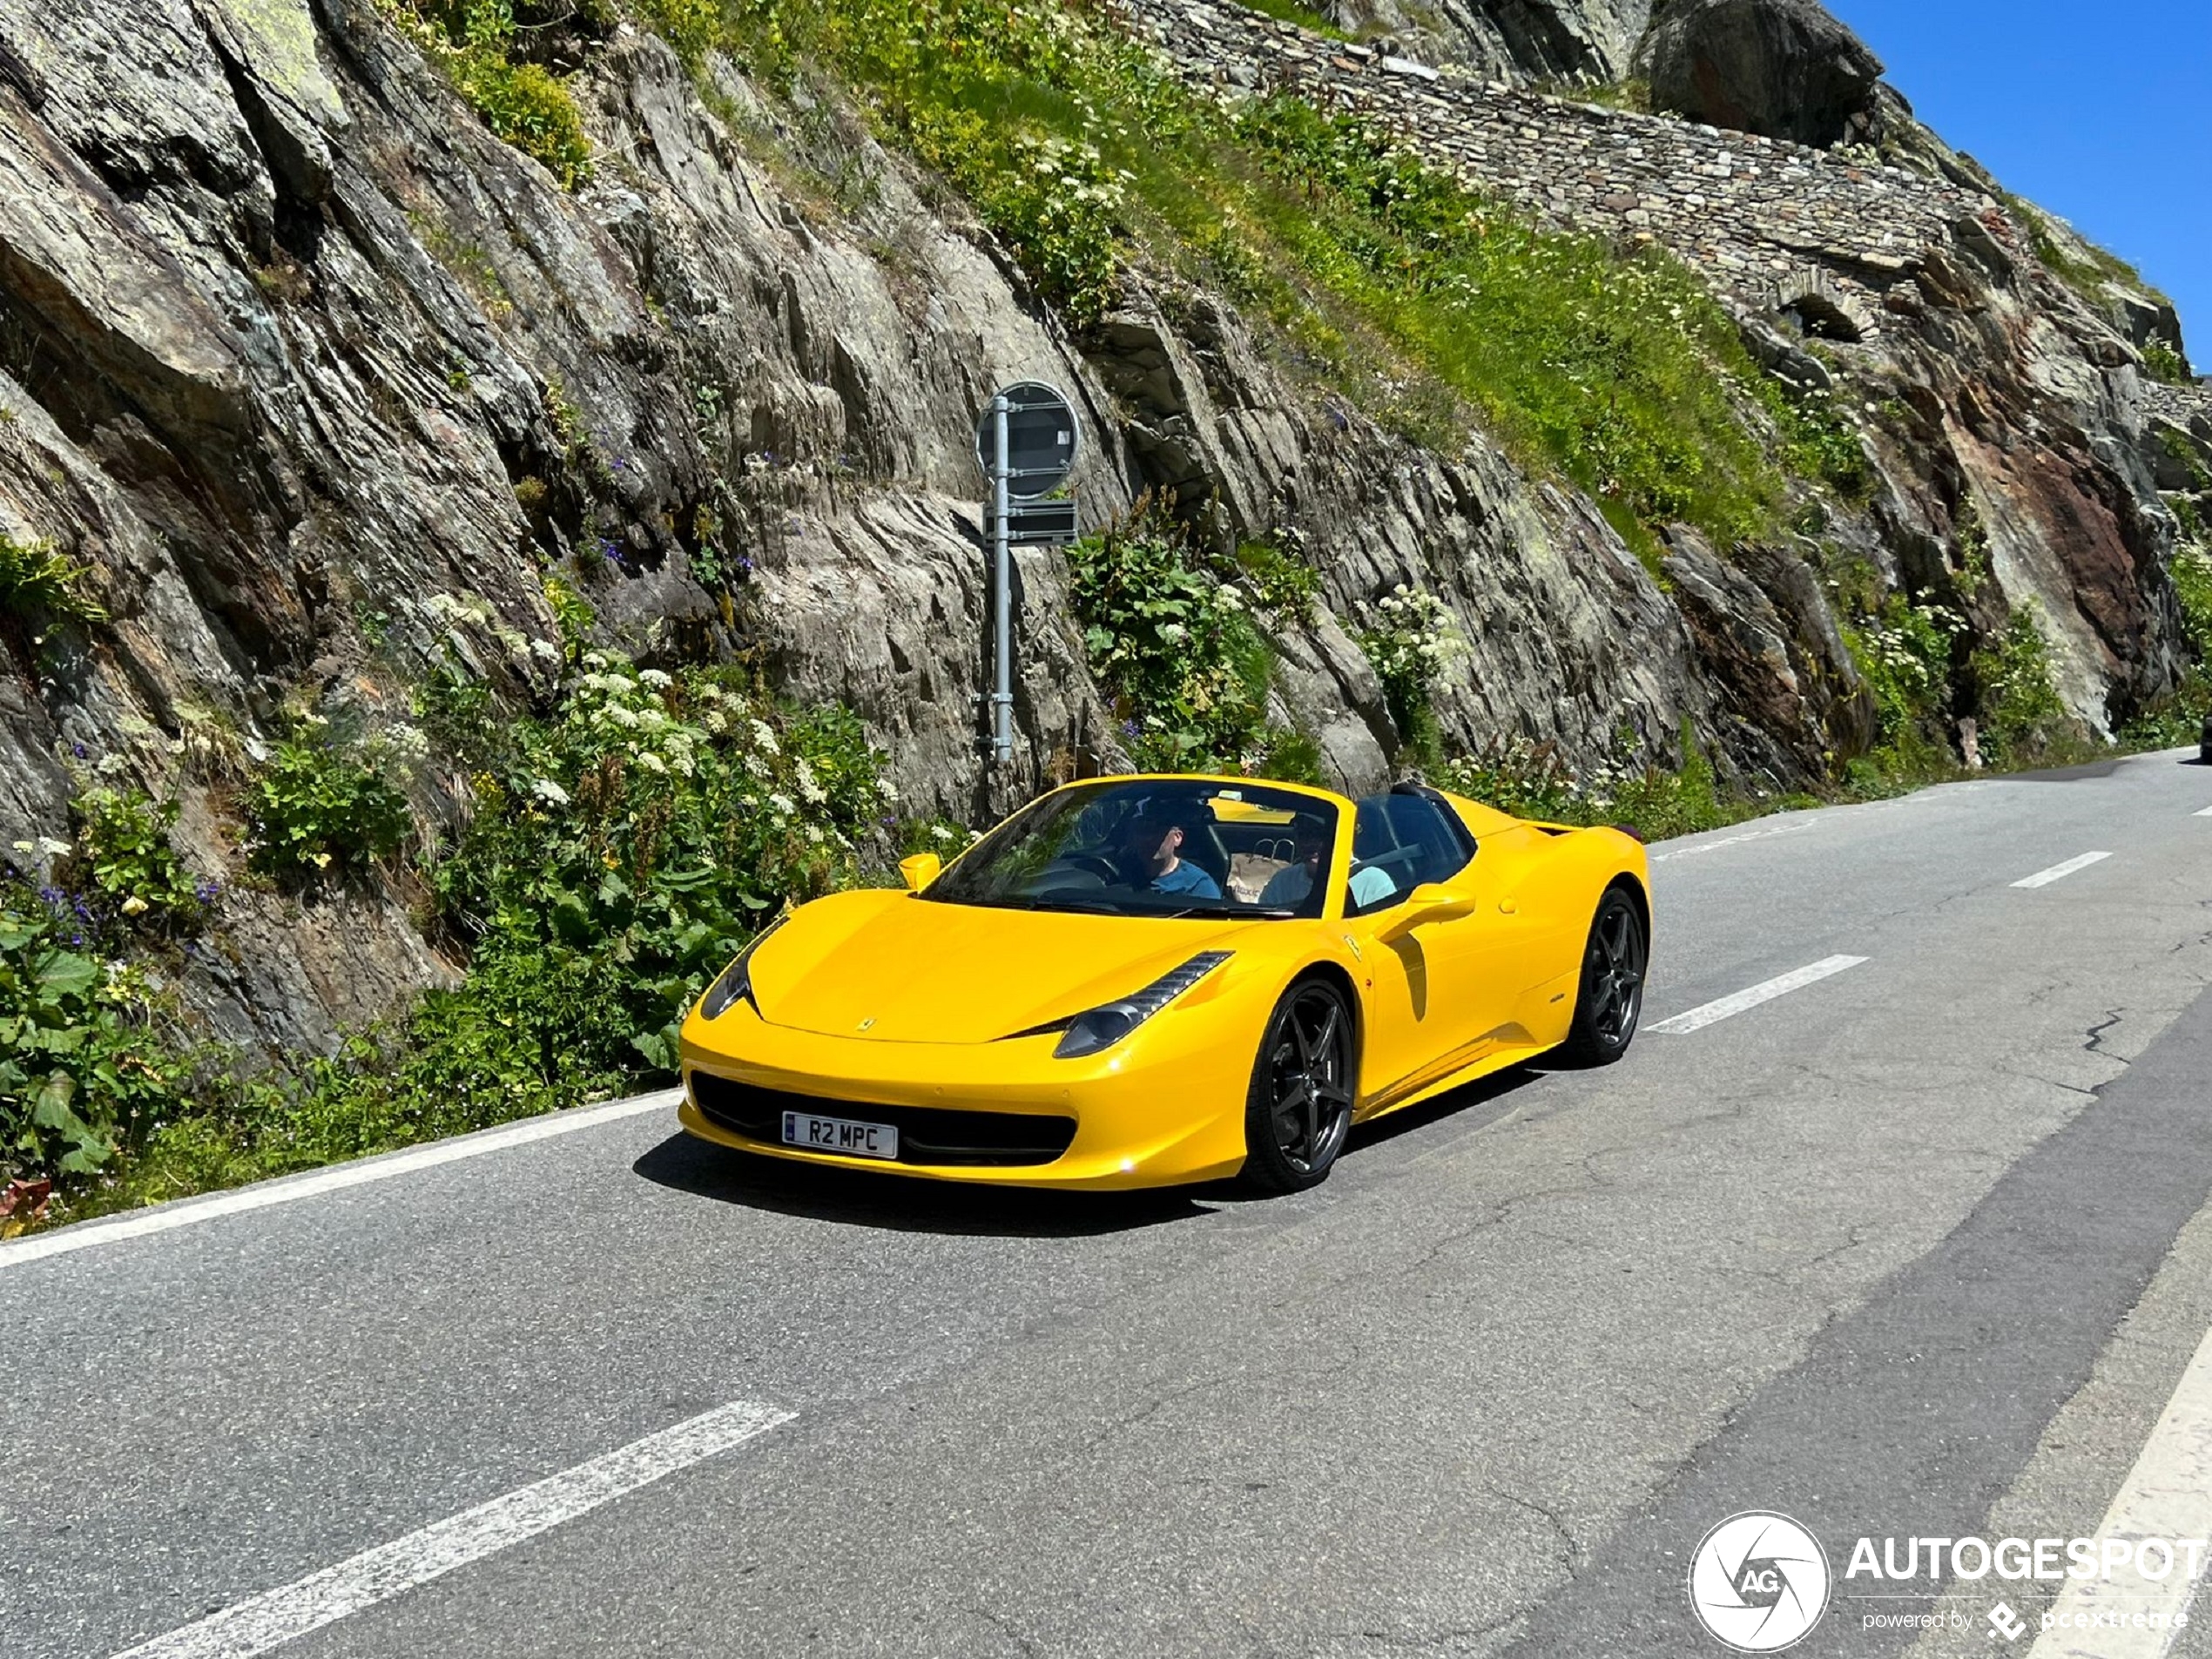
[1144, 980]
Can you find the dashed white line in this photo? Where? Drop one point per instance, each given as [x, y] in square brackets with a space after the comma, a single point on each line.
[2167, 1495]
[1698, 1018]
[276, 1616]
[2202, 811]
[1733, 840]
[186, 1211]
[2060, 871]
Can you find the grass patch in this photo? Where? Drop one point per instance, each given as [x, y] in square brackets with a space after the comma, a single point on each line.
[478, 44]
[1437, 308]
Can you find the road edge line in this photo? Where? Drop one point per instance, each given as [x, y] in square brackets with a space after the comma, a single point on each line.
[184, 1212]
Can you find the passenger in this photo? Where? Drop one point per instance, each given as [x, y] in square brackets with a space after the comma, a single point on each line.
[1150, 858]
[1288, 887]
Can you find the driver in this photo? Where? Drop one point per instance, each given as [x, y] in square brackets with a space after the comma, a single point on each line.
[1150, 858]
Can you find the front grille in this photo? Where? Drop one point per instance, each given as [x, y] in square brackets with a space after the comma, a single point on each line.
[927, 1134]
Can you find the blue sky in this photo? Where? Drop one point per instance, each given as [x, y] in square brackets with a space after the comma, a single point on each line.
[2102, 114]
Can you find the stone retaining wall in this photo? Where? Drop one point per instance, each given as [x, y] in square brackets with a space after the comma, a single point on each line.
[1774, 223]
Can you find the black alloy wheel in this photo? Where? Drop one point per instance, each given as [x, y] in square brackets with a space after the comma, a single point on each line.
[1611, 995]
[1299, 1110]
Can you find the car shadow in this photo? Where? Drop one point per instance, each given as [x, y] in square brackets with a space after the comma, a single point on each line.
[861, 1198]
[1484, 1101]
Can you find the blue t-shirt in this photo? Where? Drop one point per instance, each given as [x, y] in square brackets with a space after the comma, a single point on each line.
[1186, 877]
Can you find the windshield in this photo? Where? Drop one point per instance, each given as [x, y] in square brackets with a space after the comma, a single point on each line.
[1144, 847]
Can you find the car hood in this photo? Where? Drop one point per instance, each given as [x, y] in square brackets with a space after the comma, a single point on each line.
[893, 967]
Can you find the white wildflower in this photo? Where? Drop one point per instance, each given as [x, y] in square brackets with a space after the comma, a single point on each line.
[546, 790]
[809, 790]
[764, 735]
[652, 763]
[783, 805]
[654, 678]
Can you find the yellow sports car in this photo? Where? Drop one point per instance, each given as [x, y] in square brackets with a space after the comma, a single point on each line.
[1144, 979]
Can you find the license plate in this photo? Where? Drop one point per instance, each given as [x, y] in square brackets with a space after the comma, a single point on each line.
[840, 1135]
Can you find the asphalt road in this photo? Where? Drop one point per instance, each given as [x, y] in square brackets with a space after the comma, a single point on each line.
[1919, 1248]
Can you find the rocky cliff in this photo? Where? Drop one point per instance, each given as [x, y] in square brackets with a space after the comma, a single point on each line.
[318, 377]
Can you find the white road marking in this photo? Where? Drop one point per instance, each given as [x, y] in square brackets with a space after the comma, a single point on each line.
[290, 1190]
[2168, 1494]
[2060, 871]
[2202, 811]
[1732, 841]
[1698, 1018]
[276, 1616]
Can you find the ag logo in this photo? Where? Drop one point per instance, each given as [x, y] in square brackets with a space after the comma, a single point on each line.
[1758, 1582]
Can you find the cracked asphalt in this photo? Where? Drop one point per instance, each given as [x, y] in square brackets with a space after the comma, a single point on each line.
[1920, 1248]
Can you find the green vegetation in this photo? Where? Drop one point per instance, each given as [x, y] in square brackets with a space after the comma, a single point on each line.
[619, 851]
[1412, 639]
[1904, 652]
[1531, 780]
[1304, 16]
[323, 799]
[1171, 641]
[526, 104]
[2072, 258]
[37, 583]
[2022, 719]
[2179, 718]
[125, 863]
[85, 1064]
[1435, 306]
[2163, 362]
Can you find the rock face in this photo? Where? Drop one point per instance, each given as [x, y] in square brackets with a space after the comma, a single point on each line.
[1509, 40]
[1784, 68]
[319, 377]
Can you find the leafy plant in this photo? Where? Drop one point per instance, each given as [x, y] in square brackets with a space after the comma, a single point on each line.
[1413, 640]
[1284, 587]
[1904, 653]
[322, 801]
[2021, 714]
[38, 582]
[631, 846]
[123, 853]
[524, 103]
[82, 1071]
[2163, 362]
[1187, 671]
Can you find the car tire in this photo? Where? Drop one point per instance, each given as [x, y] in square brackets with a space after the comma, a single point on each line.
[1298, 1110]
[1609, 998]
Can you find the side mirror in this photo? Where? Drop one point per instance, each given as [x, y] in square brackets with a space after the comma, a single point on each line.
[920, 869]
[1432, 901]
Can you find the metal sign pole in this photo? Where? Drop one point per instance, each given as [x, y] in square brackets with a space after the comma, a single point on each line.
[1003, 591]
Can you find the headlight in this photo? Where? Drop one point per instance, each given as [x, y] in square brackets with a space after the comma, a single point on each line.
[1106, 1025]
[736, 981]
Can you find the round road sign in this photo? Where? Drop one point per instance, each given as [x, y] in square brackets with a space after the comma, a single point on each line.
[1041, 440]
